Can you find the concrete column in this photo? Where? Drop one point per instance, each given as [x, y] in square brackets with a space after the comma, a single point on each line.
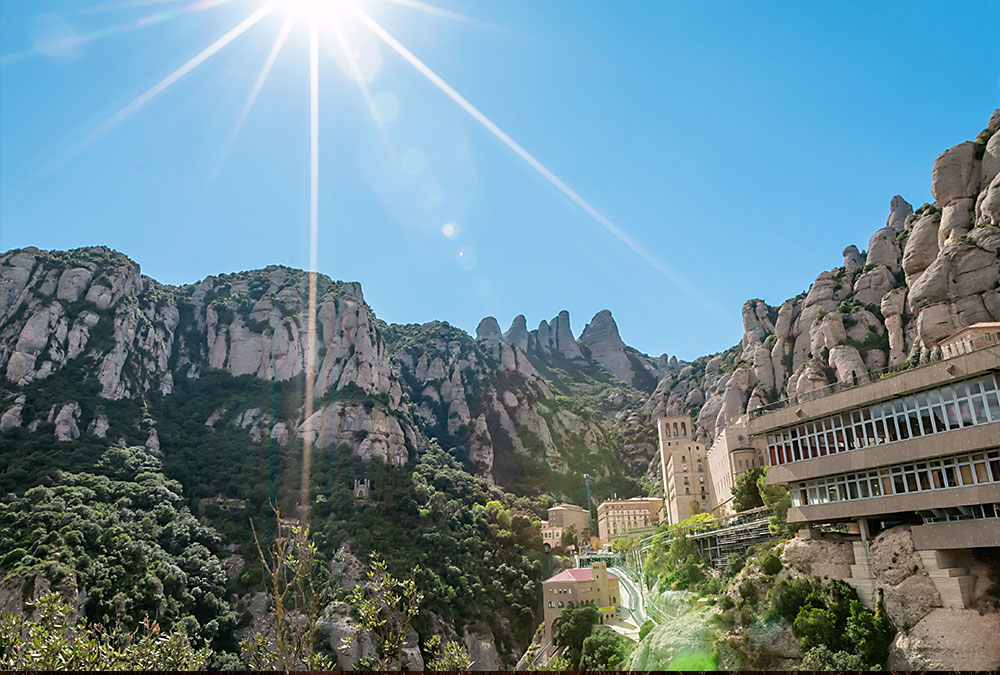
[863, 528]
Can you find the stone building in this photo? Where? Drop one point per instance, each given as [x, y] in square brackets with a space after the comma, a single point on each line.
[592, 585]
[921, 447]
[564, 517]
[970, 338]
[618, 518]
[731, 454]
[687, 485]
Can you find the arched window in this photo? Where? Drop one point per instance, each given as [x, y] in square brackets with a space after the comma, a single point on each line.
[560, 603]
[684, 429]
[675, 428]
[551, 604]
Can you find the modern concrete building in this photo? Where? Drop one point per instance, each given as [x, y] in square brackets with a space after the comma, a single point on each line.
[921, 447]
[970, 338]
[619, 518]
[592, 585]
[687, 485]
[731, 454]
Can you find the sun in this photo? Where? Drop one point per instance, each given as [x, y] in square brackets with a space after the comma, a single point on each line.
[318, 11]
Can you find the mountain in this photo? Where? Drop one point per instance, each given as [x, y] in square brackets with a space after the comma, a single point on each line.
[206, 384]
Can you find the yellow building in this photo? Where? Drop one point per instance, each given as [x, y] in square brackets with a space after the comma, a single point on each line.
[617, 518]
[687, 485]
[581, 586]
[970, 338]
[731, 454]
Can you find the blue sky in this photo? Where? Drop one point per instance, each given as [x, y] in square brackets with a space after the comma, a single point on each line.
[739, 145]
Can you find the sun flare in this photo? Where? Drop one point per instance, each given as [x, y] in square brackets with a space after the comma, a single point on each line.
[318, 11]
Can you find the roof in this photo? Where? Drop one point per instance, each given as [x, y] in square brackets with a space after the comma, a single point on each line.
[568, 506]
[981, 324]
[576, 574]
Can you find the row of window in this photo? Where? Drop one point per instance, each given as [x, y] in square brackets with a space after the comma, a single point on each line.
[974, 512]
[977, 468]
[956, 406]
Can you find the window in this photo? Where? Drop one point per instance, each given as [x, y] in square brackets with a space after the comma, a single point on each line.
[560, 603]
[977, 468]
[551, 604]
[964, 404]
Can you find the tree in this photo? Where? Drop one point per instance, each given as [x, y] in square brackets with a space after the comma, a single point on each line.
[815, 627]
[52, 640]
[571, 628]
[291, 568]
[386, 607]
[446, 656]
[605, 650]
[569, 537]
[646, 627]
[870, 634]
[746, 494]
[778, 499]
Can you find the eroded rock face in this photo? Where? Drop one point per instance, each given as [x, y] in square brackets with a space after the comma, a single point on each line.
[606, 347]
[955, 174]
[946, 639]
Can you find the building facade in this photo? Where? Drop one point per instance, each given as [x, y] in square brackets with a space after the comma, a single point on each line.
[921, 447]
[618, 518]
[687, 485]
[570, 515]
[971, 338]
[731, 454]
[581, 586]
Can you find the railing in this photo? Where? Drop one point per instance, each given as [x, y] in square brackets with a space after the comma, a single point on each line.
[822, 392]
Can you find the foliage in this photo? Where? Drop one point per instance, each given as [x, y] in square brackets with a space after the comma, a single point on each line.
[569, 537]
[126, 537]
[293, 578]
[674, 565]
[734, 563]
[386, 607]
[771, 564]
[821, 658]
[814, 626]
[50, 639]
[446, 656]
[870, 634]
[788, 595]
[605, 650]
[746, 494]
[778, 499]
[646, 627]
[571, 628]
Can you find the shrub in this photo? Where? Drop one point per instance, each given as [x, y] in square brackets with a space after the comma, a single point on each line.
[821, 658]
[734, 563]
[771, 564]
[814, 627]
[788, 595]
[869, 634]
[726, 602]
[646, 627]
[748, 591]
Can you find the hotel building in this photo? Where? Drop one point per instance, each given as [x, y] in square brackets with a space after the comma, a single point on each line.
[921, 447]
[621, 517]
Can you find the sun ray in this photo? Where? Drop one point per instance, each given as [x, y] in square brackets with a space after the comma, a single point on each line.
[143, 22]
[544, 171]
[352, 63]
[116, 119]
[126, 5]
[310, 374]
[440, 11]
[265, 71]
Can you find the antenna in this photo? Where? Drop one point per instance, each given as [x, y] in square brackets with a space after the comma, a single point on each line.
[590, 509]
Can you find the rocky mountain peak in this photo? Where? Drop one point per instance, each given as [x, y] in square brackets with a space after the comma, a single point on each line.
[601, 337]
[488, 331]
[517, 334]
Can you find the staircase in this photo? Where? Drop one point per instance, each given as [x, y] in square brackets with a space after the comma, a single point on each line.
[953, 582]
[862, 579]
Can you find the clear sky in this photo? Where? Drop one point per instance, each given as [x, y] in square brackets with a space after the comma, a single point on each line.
[729, 149]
